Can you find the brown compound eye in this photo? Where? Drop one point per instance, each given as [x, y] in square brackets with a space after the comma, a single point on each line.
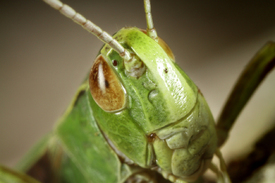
[105, 86]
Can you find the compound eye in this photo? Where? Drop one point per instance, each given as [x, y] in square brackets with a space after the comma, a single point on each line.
[105, 86]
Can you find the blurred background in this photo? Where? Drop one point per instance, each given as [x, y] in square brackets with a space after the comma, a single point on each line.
[45, 56]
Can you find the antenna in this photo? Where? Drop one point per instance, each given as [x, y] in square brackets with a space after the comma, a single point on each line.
[90, 27]
[151, 31]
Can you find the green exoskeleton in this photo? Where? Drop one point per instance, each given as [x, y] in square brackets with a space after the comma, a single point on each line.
[138, 117]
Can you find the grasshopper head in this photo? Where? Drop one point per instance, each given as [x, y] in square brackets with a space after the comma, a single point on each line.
[149, 109]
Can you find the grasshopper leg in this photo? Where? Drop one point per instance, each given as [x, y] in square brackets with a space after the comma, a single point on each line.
[254, 73]
[223, 166]
[215, 169]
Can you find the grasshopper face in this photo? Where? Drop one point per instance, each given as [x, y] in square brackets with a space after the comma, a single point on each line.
[149, 110]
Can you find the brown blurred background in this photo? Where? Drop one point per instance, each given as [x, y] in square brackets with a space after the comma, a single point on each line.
[45, 56]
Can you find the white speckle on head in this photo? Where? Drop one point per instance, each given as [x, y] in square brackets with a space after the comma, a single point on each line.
[101, 78]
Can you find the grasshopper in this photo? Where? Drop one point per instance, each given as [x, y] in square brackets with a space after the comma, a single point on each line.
[129, 82]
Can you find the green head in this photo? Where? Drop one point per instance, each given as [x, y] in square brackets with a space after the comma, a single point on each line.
[142, 103]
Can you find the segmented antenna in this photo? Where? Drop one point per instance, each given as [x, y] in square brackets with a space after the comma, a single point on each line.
[90, 27]
[151, 31]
